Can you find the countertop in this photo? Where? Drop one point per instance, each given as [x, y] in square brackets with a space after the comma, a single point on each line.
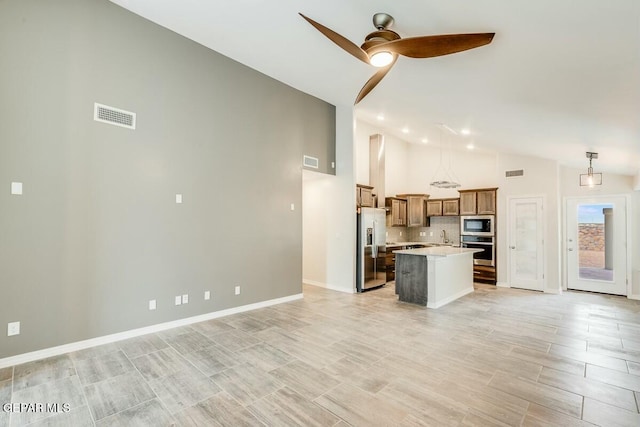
[428, 244]
[439, 251]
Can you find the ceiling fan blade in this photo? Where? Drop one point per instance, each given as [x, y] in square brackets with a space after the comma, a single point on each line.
[374, 80]
[430, 46]
[341, 41]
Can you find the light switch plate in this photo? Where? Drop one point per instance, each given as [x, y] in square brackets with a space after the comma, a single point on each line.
[13, 328]
[178, 198]
[185, 299]
[16, 188]
[152, 304]
[293, 207]
[178, 300]
[237, 290]
[207, 295]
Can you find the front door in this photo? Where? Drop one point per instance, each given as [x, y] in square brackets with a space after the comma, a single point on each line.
[596, 244]
[526, 243]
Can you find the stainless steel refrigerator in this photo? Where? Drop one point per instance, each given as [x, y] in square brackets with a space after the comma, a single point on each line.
[371, 249]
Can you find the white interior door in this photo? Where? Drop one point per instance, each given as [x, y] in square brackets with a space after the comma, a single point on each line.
[526, 243]
[596, 244]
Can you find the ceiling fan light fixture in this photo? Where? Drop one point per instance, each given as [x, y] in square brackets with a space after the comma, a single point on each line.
[381, 59]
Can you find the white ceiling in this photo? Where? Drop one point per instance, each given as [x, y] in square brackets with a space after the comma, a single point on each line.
[560, 78]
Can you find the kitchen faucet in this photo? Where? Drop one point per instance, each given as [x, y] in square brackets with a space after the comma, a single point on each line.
[443, 235]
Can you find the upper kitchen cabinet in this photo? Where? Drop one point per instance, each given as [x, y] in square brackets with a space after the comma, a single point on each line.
[443, 207]
[396, 212]
[478, 202]
[319, 138]
[450, 207]
[364, 196]
[416, 209]
[434, 207]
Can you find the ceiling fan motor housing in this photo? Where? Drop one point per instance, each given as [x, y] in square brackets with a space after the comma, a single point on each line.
[382, 21]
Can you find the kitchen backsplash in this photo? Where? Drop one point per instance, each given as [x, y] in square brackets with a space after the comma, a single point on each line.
[450, 224]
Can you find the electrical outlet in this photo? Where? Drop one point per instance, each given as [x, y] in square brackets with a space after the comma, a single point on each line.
[13, 328]
[333, 165]
[431, 234]
[185, 299]
[178, 198]
[178, 300]
[401, 233]
[207, 295]
[152, 304]
[293, 207]
[237, 290]
[386, 234]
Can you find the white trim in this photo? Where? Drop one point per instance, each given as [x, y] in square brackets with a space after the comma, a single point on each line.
[555, 291]
[328, 286]
[634, 297]
[107, 339]
[447, 300]
[503, 285]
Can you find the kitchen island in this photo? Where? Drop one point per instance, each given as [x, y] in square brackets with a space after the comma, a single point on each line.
[434, 276]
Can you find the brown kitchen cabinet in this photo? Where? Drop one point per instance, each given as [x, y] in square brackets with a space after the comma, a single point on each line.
[434, 207]
[416, 209]
[396, 212]
[451, 207]
[364, 196]
[443, 207]
[478, 202]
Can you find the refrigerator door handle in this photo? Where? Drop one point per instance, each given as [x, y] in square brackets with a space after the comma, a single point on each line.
[374, 247]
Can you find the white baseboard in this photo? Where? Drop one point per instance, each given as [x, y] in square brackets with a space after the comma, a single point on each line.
[107, 339]
[450, 299]
[327, 286]
[555, 291]
[634, 297]
[502, 285]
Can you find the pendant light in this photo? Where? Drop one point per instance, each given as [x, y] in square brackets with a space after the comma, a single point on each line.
[444, 178]
[590, 179]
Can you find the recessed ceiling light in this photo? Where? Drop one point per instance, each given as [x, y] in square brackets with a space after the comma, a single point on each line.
[405, 130]
[380, 117]
[470, 147]
[465, 131]
[424, 140]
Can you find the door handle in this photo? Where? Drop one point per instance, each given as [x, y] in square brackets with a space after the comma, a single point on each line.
[513, 247]
[570, 249]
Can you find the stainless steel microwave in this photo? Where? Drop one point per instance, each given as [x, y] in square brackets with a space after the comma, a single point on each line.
[477, 225]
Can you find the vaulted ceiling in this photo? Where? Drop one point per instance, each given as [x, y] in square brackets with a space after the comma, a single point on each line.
[560, 78]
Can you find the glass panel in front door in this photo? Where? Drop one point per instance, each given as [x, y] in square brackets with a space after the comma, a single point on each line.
[595, 242]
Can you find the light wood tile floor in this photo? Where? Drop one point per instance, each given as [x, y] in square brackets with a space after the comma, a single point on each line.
[497, 357]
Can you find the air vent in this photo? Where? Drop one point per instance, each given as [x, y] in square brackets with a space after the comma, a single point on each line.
[114, 116]
[310, 162]
[511, 174]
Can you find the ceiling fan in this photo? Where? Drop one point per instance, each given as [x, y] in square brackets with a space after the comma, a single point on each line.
[382, 47]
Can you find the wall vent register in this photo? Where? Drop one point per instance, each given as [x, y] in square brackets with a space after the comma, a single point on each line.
[310, 162]
[509, 174]
[114, 116]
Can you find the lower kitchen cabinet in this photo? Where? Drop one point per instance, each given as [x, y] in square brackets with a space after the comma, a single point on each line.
[484, 273]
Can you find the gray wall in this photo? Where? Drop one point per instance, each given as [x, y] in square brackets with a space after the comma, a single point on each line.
[97, 232]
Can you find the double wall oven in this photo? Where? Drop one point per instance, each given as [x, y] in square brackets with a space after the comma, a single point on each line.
[478, 232]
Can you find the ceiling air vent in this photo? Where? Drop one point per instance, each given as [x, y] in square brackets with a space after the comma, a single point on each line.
[511, 174]
[114, 116]
[310, 162]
